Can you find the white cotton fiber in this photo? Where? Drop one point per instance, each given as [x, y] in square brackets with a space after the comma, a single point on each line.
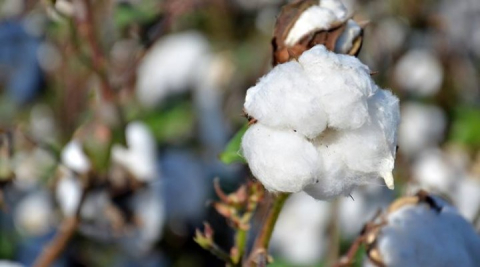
[68, 194]
[74, 158]
[346, 40]
[282, 100]
[140, 156]
[419, 235]
[342, 83]
[281, 159]
[314, 18]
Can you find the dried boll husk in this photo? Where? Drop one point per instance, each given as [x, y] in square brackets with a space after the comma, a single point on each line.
[341, 34]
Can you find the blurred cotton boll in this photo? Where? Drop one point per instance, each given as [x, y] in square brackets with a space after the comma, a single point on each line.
[30, 167]
[422, 126]
[428, 233]
[170, 66]
[433, 171]
[419, 72]
[34, 214]
[299, 234]
[140, 158]
[74, 158]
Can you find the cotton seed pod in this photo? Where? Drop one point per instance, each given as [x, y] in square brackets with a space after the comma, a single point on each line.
[304, 24]
[421, 230]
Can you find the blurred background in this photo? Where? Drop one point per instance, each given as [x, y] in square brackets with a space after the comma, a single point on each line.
[116, 112]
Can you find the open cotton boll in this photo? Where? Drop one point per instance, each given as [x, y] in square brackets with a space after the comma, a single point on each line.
[74, 158]
[281, 159]
[299, 235]
[315, 18]
[140, 156]
[419, 235]
[282, 99]
[420, 72]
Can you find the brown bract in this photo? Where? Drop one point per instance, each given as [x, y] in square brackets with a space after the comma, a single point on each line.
[286, 20]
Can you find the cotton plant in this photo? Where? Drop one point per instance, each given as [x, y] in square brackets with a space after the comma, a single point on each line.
[318, 123]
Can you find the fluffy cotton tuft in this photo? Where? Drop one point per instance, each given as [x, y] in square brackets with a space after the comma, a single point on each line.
[316, 17]
[284, 160]
[74, 158]
[140, 157]
[419, 235]
[323, 126]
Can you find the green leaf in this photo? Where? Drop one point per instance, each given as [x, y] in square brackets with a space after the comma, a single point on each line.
[173, 124]
[466, 127]
[231, 154]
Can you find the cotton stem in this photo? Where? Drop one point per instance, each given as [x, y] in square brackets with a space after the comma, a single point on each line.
[260, 248]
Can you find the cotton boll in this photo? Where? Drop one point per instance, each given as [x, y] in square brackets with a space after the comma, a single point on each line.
[170, 66]
[282, 100]
[316, 18]
[68, 193]
[33, 215]
[74, 158]
[299, 234]
[433, 171]
[140, 157]
[419, 235]
[281, 159]
[419, 72]
[422, 126]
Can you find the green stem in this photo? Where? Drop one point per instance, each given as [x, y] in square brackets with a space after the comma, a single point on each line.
[263, 240]
[240, 244]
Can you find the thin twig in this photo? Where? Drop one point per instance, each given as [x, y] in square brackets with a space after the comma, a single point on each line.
[86, 28]
[65, 232]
